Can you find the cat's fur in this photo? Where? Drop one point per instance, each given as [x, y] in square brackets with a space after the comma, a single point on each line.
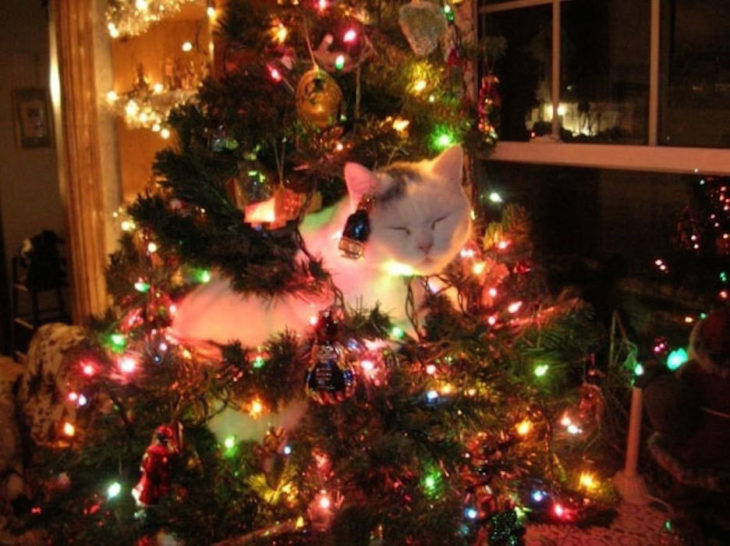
[421, 219]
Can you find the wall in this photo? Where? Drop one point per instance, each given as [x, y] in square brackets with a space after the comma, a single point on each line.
[29, 193]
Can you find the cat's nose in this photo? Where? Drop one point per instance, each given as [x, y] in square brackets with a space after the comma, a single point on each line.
[425, 246]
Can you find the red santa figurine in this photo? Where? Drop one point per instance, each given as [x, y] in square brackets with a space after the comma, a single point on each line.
[155, 467]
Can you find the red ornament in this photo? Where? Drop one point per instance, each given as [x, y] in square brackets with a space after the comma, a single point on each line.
[155, 467]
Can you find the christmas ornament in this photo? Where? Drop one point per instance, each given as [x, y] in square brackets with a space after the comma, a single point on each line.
[330, 378]
[284, 206]
[423, 23]
[155, 467]
[488, 109]
[319, 99]
[357, 230]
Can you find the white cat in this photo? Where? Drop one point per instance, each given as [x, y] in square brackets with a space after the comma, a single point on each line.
[419, 221]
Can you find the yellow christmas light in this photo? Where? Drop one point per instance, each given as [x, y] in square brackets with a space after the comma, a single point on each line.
[524, 427]
[587, 481]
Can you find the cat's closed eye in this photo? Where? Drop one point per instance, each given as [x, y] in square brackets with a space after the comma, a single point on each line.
[437, 220]
[404, 229]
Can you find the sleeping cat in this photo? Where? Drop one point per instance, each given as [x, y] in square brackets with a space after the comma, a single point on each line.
[419, 221]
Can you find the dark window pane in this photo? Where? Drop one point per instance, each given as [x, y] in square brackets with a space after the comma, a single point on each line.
[604, 71]
[627, 217]
[695, 73]
[524, 69]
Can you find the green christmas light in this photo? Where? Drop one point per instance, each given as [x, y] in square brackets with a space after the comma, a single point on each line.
[431, 482]
[397, 332]
[541, 370]
[113, 490]
[676, 358]
[229, 442]
[443, 138]
[202, 276]
[118, 342]
[449, 12]
[141, 286]
[723, 276]
[639, 369]
[259, 362]
[340, 62]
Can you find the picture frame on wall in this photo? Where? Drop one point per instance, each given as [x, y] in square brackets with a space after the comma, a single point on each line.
[33, 119]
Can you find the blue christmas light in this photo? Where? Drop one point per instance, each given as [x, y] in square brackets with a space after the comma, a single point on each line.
[471, 513]
[432, 396]
[538, 496]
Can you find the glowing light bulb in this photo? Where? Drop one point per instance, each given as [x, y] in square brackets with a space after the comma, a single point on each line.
[340, 62]
[141, 5]
[494, 197]
[432, 396]
[211, 12]
[257, 408]
[68, 429]
[113, 490]
[587, 481]
[537, 495]
[73, 396]
[350, 36]
[325, 502]
[322, 5]
[471, 513]
[400, 124]
[419, 86]
[430, 369]
[492, 320]
[229, 442]
[367, 365]
[274, 73]
[158, 88]
[397, 332]
[478, 268]
[112, 96]
[676, 358]
[492, 292]
[165, 133]
[541, 370]
[524, 427]
[313, 320]
[187, 47]
[113, 30]
[502, 244]
[152, 247]
[573, 429]
[281, 33]
[559, 510]
[88, 369]
[287, 450]
[259, 362]
[127, 364]
[514, 307]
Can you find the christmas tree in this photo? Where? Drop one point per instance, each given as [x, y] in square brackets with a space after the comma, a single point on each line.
[455, 433]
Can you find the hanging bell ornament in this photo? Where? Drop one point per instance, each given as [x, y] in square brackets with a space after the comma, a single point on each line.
[330, 378]
[357, 230]
[319, 99]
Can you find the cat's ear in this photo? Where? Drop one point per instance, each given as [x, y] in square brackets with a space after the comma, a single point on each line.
[449, 165]
[360, 180]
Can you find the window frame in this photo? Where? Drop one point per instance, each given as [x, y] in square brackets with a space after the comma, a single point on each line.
[644, 157]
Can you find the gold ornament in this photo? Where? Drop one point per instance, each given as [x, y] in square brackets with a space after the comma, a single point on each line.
[319, 99]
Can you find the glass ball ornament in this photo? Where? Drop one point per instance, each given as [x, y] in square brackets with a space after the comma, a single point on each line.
[319, 99]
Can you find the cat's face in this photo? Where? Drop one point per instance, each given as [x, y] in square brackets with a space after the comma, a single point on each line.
[421, 216]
